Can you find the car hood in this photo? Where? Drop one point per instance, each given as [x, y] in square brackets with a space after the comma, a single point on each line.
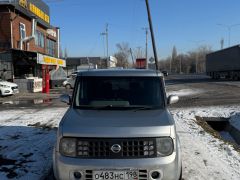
[130, 123]
[6, 83]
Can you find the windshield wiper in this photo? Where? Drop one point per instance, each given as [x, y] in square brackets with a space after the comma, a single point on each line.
[101, 107]
[146, 108]
[135, 108]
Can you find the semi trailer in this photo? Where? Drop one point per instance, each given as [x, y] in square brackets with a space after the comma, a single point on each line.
[224, 63]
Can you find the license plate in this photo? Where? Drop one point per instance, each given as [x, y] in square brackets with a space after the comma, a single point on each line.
[115, 175]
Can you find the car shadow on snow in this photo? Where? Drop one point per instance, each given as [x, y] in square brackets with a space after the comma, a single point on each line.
[26, 151]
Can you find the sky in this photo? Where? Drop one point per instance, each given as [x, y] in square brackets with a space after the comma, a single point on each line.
[186, 24]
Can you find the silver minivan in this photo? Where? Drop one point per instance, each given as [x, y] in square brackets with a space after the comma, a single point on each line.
[118, 127]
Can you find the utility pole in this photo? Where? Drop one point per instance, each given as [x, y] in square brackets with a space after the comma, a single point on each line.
[146, 53]
[180, 65]
[107, 39]
[170, 65]
[152, 34]
[106, 34]
[132, 56]
[222, 43]
[229, 28]
[197, 62]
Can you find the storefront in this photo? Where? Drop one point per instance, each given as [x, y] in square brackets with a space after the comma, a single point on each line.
[23, 66]
[49, 64]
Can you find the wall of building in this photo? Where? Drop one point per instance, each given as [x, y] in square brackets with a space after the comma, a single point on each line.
[17, 17]
[5, 31]
[28, 25]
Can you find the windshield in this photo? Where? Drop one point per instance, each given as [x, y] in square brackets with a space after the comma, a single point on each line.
[119, 92]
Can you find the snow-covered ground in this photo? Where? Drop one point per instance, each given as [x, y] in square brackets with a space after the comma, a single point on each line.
[27, 138]
[26, 142]
[205, 157]
[185, 92]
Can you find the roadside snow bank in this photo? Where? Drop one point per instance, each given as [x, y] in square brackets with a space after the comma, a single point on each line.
[185, 92]
[204, 156]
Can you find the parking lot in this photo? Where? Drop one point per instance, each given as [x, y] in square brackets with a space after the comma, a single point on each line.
[28, 124]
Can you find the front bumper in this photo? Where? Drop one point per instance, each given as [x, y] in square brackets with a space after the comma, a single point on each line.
[6, 92]
[64, 167]
[9, 91]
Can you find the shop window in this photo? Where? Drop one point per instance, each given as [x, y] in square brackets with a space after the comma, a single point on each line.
[51, 47]
[39, 39]
[22, 31]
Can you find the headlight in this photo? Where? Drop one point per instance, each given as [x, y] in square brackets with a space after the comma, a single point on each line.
[164, 146]
[4, 86]
[68, 147]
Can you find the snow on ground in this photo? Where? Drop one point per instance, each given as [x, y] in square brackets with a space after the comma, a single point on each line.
[26, 149]
[185, 92]
[26, 142]
[205, 157]
[232, 112]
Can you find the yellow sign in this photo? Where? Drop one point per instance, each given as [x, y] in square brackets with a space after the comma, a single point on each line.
[23, 3]
[35, 10]
[53, 61]
[38, 12]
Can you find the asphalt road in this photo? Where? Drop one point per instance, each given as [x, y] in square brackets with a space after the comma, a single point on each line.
[200, 90]
[193, 90]
[34, 100]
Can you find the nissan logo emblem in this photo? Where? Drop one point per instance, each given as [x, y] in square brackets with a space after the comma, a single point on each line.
[116, 148]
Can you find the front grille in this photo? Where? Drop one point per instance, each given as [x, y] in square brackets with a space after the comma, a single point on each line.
[142, 175]
[129, 148]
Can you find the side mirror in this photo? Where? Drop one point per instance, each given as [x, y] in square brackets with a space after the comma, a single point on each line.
[66, 99]
[172, 99]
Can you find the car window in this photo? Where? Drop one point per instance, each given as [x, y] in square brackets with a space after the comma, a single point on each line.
[119, 91]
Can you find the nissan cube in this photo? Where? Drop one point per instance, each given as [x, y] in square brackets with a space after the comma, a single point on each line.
[118, 127]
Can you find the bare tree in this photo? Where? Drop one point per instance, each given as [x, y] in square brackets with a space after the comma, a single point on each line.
[222, 43]
[191, 62]
[173, 63]
[61, 55]
[65, 53]
[138, 53]
[122, 54]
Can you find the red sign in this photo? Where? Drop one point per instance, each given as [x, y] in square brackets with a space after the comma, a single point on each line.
[141, 63]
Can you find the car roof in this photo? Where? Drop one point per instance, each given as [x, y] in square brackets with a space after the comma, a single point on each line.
[121, 72]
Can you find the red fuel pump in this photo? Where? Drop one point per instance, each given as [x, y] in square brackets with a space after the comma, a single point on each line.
[46, 79]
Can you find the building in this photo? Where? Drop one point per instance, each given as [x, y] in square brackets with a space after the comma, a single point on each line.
[29, 44]
[77, 63]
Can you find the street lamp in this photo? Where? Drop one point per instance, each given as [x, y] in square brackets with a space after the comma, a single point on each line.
[229, 27]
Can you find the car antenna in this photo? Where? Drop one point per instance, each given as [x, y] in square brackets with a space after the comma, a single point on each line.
[152, 35]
